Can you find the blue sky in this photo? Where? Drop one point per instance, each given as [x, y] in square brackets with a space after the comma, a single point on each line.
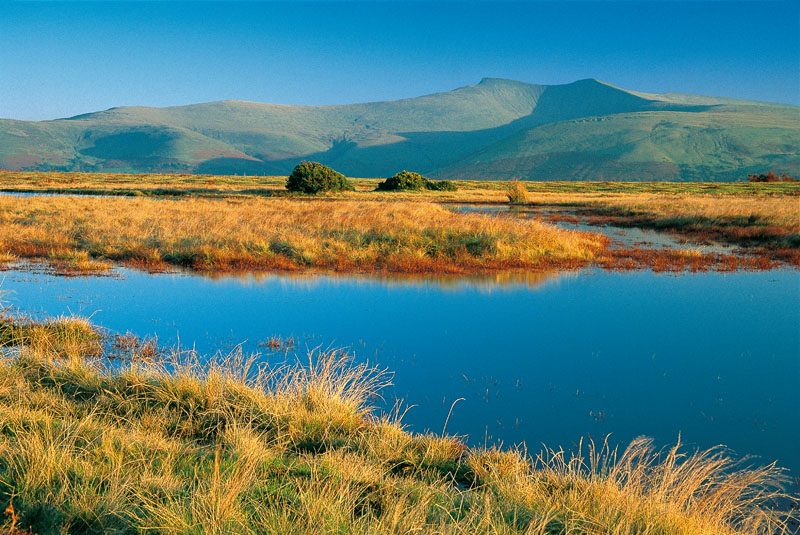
[59, 59]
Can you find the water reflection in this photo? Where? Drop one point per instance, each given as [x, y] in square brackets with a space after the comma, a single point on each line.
[713, 356]
[487, 282]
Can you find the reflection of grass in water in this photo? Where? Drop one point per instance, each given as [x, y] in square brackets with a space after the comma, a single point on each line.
[180, 447]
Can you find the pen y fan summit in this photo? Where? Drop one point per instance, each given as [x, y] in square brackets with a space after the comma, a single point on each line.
[497, 129]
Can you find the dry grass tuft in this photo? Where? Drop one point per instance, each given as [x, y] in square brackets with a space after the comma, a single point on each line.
[517, 192]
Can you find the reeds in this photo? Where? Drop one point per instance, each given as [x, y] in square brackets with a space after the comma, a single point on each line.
[223, 447]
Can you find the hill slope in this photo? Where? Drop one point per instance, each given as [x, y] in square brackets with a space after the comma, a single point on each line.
[497, 129]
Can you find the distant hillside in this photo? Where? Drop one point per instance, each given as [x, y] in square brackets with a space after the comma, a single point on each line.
[497, 129]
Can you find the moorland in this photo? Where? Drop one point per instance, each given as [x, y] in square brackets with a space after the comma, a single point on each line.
[237, 223]
[108, 433]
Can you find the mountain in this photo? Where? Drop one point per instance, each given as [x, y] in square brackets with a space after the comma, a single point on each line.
[496, 129]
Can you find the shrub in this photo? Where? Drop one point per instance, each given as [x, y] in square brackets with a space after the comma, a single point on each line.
[404, 181]
[516, 192]
[408, 181]
[441, 185]
[313, 177]
[771, 177]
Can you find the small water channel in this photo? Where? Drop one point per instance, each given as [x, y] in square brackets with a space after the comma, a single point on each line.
[714, 357]
[624, 237]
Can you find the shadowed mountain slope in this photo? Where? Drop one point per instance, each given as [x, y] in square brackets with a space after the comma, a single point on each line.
[497, 129]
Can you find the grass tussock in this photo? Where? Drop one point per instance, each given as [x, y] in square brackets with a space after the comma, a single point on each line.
[257, 234]
[225, 448]
[62, 337]
[7, 258]
[516, 192]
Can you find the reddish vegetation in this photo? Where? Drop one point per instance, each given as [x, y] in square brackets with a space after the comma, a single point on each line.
[771, 177]
[765, 244]
[19, 161]
[13, 528]
[681, 260]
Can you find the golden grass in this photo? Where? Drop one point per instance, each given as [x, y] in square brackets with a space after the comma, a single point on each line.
[221, 224]
[516, 192]
[268, 234]
[7, 258]
[63, 336]
[226, 448]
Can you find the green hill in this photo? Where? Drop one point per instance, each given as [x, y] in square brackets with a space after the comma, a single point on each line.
[497, 129]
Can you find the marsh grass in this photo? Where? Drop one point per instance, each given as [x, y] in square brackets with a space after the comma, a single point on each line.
[189, 446]
[280, 234]
[64, 336]
[395, 232]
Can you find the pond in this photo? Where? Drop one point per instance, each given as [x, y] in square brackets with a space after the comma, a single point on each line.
[712, 357]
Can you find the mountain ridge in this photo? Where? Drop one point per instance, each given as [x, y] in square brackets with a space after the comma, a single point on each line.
[495, 129]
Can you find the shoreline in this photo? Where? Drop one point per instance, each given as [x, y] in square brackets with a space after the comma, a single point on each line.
[163, 431]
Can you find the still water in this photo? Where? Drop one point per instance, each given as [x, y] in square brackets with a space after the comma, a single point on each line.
[621, 237]
[714, 357]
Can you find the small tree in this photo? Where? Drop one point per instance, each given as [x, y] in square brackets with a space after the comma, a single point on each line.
[313, 177]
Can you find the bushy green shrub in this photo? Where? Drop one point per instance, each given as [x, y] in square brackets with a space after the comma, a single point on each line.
[403, 181]
[313, 177]
[441, 185]
[408, 181]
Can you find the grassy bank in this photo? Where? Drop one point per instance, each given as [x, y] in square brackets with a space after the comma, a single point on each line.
[223, 448]
[259, 234]
[219, 224]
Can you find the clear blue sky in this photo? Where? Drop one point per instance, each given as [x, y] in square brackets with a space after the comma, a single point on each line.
[59, 59]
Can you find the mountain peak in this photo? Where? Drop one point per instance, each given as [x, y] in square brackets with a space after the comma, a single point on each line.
[495, 129]
[491, 80]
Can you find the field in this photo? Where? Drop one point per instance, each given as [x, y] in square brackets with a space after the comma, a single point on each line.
[213, 223]
[103, 434]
